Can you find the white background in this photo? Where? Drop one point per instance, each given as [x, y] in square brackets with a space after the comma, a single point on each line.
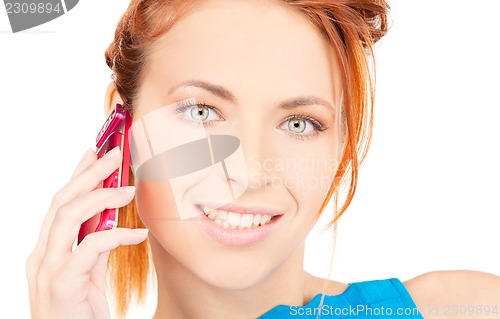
[428, 191]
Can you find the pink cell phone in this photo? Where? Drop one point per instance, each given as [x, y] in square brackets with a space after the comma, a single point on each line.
[113, 133]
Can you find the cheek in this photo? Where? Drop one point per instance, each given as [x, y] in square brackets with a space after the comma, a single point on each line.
[307, 174]
[155, 202]
[159, 211]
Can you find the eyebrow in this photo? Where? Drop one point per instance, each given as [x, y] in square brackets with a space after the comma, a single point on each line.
[304, 101]
[215, 89]
[225, 94]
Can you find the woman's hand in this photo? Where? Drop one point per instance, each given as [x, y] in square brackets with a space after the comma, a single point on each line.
[70, 284]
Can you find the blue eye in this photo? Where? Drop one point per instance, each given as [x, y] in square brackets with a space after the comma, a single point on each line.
[301, 125]
[198, 112]
[298, 125]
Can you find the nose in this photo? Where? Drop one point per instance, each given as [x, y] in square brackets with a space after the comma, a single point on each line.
[243, 169]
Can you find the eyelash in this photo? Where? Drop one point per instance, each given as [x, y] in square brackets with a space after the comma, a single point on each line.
[184, 105]
[318, 126]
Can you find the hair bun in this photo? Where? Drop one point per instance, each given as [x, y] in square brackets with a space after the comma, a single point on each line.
[109, 55]
[375, 16]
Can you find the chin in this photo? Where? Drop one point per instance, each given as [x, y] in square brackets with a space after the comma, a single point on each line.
[234, 278]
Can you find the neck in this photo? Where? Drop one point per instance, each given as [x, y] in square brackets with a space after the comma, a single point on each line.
[181, 294]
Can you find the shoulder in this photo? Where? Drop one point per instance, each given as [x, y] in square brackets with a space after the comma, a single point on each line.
[315, 285]
[457, 294]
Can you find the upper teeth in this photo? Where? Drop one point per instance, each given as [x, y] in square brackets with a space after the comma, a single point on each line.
[235, 220]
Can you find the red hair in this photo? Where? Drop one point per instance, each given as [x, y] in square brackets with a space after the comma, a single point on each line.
[352, 27]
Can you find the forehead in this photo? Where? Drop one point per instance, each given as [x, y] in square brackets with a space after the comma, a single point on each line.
[245, 46]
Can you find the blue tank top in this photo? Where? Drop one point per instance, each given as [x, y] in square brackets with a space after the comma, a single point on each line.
[361, 300]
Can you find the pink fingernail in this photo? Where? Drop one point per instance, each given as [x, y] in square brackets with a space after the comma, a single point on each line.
[141, 230]
[127, 189]
[114, 152]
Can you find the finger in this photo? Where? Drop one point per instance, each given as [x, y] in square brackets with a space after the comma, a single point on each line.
[69, 217]
[86, 255]
[97, 274]
[87, 180]
[89, 158]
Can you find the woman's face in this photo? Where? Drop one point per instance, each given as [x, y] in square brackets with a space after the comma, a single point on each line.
[269, 79]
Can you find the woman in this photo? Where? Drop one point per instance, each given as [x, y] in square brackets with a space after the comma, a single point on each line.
[289, 80]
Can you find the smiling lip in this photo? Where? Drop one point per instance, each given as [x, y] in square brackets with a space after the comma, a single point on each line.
[238, 237]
